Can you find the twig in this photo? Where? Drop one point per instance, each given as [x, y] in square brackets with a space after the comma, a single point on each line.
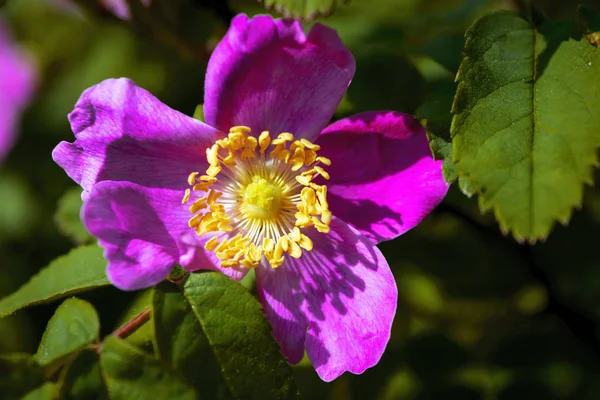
[582, 326]
[133, 324]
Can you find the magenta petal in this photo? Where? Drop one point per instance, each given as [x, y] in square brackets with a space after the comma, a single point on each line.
[266, 74]
[384, 180]
[17, 82]
[337, 301]
[139, 228]
[126, 134]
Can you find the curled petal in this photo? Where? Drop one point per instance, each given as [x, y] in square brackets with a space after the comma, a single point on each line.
[268, 75]
[123, 133]
[337, 302]
[384, 180]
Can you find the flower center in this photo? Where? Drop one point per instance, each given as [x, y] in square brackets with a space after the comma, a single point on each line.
[256, 203]
[262, 199]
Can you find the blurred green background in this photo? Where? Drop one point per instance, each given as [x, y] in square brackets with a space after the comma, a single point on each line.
[479, 316]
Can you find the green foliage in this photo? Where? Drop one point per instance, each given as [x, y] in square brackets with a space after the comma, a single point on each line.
[48, 391]
[19, 373]
[251, 364]
[131, 374]
[82, 269]
[67, 217]
[302, 9]
[74, 325]
[81, 379]
[527, 153]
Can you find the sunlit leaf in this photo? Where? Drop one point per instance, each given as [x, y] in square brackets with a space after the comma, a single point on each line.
[74, 325]
[67, 217]
[303, 9]
[19, 373]
[82, 269]
[81, 379]
[525, 128]
[47, 391]
[130, 373]
[251, 362]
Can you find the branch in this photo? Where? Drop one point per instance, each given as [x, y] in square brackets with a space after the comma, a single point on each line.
[133, 324]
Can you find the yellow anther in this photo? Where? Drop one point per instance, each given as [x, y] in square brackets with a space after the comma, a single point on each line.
[283, 138]
[217, 208]
[308, 195]
[268, 245]
[295, 234]
[304, 180]
[324, 160]
[212, 243]
[186, 196]
[305, 242]
[230, 160]
[202, 186]
[303, 220]
[208, 178]
[192, 178]
[310, 145]
[212, 155]
[309, 172]
[326, 217]
[195, 220]
[198, 205]
[310, 157]
[295, 250]
[213, 170]
[264, 141]
[322, 172]
[278, 149]
[322, 196]
[223, 143]
[240, 129]
[213, 196]
[321, 227]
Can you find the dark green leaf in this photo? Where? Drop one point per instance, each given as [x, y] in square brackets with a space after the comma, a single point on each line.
[81, 379]
[181, 343]
[19, 373]
[131, 374]
[82, 269]
[240, 337]
[74, 325]
[525, 129]
[303, 9]
[67, 217]
[48, 391]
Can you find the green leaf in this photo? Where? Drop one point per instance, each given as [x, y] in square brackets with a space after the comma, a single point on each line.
[199, 113]
[82, 269]
[526, 127]
[67, 217]
[181, 343]
[74, 325]
[48, 391]
[19, 373]
[81, 380]
[303, 9]
[240, 338]
[131, 374]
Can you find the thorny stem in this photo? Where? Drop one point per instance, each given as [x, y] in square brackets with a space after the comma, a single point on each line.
[133, 324]
[581, 326]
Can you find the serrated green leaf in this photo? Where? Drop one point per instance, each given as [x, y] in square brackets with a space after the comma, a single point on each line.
[303, 9]
[19, 373]
[67, 217]
[525, 128]
[81, 269]
[74, 325]
[181, 343]
[240, 337]
[81, 379]
[48, 391]
[131, 374]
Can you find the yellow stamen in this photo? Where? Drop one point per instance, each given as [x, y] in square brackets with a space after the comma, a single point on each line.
[261, 191]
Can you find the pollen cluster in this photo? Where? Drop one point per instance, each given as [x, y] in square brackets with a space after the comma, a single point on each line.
[257, 196]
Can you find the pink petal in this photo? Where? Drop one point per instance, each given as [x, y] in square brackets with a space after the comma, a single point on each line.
[266, 74]
[337, 301]
[384, 180]
[17, 83]
[125, 134]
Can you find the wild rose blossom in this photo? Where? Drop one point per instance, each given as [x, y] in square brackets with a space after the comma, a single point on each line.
[17, 81]
[262, 184]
